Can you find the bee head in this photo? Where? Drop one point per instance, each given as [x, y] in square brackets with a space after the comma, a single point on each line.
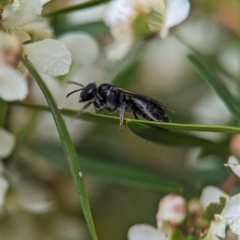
[87, 93]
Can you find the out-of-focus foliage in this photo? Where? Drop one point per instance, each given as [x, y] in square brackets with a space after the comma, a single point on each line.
[127, 173]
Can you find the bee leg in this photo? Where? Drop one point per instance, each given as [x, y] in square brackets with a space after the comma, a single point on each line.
[121, 112]
[77, 115]
[85, 106]
[135, 114]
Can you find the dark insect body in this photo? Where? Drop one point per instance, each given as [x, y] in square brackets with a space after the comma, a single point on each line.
[110, 97]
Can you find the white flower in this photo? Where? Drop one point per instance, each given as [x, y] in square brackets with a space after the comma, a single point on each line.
[49, 56]
[12, 84]
[133, 19]
[211, 194]
[7, 142]
[26, 11]
[217, 228]
[83, 48]
[145, 232]
[234, 164]
[3, 190]
[172, 209]
[231, 213]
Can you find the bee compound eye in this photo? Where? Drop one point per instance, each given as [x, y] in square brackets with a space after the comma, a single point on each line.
[107, 92]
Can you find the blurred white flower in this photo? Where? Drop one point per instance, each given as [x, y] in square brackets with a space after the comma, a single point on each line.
[234, 164]
[7, 142]
[130, 20]
[145, 232]
[231, 213]
[171, 212]
[33, 198]
[49, 56]
[3, 190]
[16, 15]
[13, 86]
[83, 48]
[217, 228]
[211, 194]
[171, 209]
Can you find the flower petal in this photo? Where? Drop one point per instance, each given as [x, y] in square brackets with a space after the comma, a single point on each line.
[231, 213]
[12, 84]
[210, 194]
[7, 142]
[3, 190]
[234, 164]
[26, 11]
[145, 231]
[123, 43]
[21, 35]
[176, 12]
[217, 228]
[49, 56]
[83, 47]
[120, 12]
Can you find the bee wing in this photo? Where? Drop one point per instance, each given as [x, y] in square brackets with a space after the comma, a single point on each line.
[138, 95]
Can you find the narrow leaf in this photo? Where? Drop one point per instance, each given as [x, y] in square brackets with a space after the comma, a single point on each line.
[163, 136]
[110, 172]
[218, 87]
[76, 7]
[68, 147]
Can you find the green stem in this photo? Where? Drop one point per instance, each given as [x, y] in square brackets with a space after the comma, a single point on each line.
[3, 112]
[76, 7]
[115, 120]
[68, 147]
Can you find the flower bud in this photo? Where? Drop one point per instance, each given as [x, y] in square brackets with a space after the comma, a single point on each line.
[10, 50]
[172, 209]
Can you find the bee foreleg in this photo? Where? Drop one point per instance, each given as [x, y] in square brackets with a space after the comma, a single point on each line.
[86, 106]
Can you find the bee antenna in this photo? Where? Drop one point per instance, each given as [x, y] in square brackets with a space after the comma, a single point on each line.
[74, 91]
[76, 83]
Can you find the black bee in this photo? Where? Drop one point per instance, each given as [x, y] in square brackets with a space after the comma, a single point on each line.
[110, 97]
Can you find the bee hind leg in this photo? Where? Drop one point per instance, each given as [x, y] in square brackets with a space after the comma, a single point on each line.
[121, 112]
[135, 115]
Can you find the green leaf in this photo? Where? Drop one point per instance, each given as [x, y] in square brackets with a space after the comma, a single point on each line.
[214, 208]
[174, 138]
[218, 87]
[76, 7]
[68, 147]
[93, 28]
[178, 235]
[113, 173]
[107, 119]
